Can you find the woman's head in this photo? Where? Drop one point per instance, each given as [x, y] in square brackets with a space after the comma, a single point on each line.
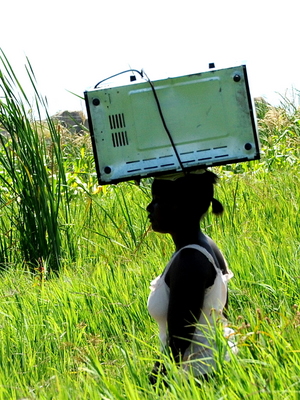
[185, 199]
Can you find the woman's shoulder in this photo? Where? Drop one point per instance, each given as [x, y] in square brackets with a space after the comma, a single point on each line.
[217, 255]
[208, 248]
[189, 263]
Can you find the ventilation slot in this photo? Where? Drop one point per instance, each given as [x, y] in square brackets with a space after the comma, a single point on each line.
[165, 163]
[117, 121]
[209, 154]
[119, 139]
[117, 125]
[221, 155]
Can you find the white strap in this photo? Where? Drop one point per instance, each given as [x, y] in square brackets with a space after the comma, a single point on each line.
[203, 251]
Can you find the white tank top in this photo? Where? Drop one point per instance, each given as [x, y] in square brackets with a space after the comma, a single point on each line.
[199, 355]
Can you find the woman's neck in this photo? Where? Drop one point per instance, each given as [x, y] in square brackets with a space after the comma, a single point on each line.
[184, 237]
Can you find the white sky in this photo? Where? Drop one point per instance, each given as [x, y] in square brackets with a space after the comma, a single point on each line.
[72, 45]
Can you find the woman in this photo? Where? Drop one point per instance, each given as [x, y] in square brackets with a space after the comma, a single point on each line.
[191, 293]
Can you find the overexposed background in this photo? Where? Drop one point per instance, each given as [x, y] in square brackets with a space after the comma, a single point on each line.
[74, 44]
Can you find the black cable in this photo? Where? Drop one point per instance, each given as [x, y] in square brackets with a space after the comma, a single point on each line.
[141, 73]
[120, 73]
[164, 123]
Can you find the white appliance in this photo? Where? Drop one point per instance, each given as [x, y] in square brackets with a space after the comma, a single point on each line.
[152, 128]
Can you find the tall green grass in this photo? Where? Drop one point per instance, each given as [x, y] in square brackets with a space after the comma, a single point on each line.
[35, 193]
[85, 333]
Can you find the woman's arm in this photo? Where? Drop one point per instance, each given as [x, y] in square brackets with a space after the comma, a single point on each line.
[190, 274]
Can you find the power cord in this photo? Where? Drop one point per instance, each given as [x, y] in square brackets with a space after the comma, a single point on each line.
[120, 73]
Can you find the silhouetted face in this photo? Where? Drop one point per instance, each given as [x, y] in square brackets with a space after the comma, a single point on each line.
[181, 203]
[163, 209]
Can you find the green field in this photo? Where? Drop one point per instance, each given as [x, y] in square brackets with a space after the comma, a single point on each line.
[77, 260]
